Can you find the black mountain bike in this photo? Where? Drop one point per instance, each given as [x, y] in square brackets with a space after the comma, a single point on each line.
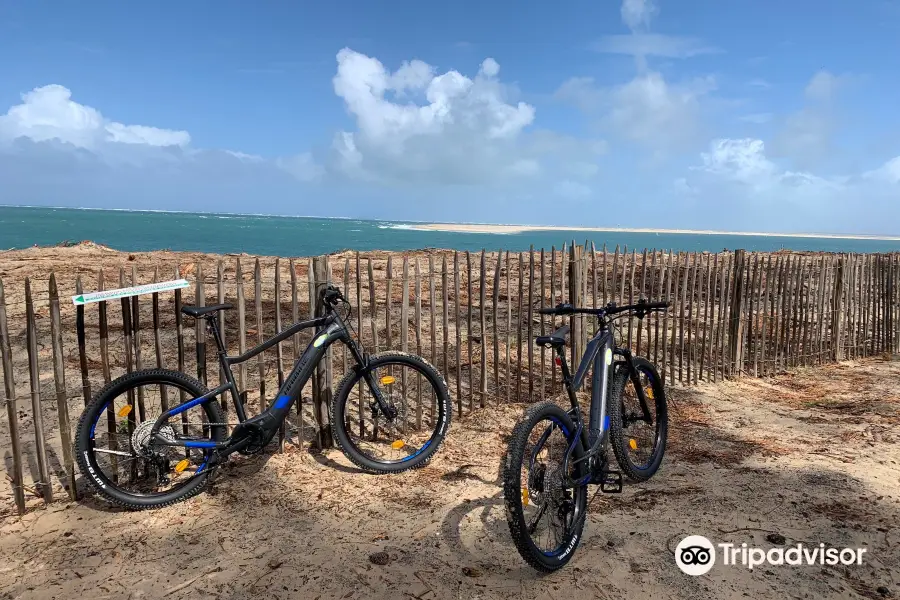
[155, 437]
[554, 454]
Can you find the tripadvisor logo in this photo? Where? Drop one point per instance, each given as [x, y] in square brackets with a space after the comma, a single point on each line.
[696, 555]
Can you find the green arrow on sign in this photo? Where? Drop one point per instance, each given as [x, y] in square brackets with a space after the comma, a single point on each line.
[150, 288]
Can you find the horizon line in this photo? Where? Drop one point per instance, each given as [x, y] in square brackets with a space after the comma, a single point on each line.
[522, 228]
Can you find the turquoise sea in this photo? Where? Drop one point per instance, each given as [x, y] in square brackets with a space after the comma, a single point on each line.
[21, 227]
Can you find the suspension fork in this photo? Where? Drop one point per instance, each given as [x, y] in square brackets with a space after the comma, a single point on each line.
[362, 364]
[636, 381]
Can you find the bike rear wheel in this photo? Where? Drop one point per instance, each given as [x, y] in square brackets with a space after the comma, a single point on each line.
[639, 446]
[411, 387]
[533, 488]
[113, 446]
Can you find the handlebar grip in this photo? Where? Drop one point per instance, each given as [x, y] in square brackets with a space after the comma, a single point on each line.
[559, 309]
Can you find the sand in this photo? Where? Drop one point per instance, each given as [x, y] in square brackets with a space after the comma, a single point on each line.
[811, 456]
[509, 229]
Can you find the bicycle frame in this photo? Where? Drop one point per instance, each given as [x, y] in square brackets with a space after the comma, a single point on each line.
[599, 353]
[330, 329]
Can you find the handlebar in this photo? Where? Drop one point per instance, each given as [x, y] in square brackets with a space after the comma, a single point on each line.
[641, 308]
[331, 295]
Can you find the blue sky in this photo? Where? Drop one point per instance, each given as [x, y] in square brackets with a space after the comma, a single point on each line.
[728, 115]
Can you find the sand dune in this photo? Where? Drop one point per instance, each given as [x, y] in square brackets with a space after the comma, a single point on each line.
[507, 229]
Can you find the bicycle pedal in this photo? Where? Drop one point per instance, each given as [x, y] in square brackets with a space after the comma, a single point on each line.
[611, 482]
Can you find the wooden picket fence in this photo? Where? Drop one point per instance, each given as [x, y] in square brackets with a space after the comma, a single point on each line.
[473, 316]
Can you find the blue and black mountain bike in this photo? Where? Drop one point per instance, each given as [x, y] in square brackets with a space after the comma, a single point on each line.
[155, 437]
[554, 454]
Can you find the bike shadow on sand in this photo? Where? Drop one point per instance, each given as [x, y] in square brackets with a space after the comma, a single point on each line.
[237, 466]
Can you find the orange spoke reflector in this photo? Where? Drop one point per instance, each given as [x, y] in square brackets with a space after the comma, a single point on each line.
[525, 497]
[124, 411]
[182, 465]
[632, 444]
[387, 380]
[649, 393]
[398, 444]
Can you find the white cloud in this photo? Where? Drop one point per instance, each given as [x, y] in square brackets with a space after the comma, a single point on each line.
[888, 173]
[805, 136]
[648, 110]
[637, 13]
[653, 44]
[301, 166]
[737, 175]
[463, 130]
[759, 83]
[49, 113]
[823, 86]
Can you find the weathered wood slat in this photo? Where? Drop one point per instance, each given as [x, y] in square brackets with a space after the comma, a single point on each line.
[136, 339]
[445, 305]
[129, 349]
[432, 309]
[552, 317]
[691, 288]
[530, 337]
[704, 317]
[12, 414]
[508, 326]
[373, 303]
[519, 329]
[543, 327]
[766, 318]
[753, 309]
[220, 299]
[182, 395]
[482, 332]
[724, 303]
[642, 295]
[469, 336]
[82, 343]
[662, 357]
[44, 486]
[199, 327]
[260, 334]
[242, 323]
[389, 301]
[417, 317]
[456, 320]
[676, 290]
[496, 323]
[59, 379]
[279, 351]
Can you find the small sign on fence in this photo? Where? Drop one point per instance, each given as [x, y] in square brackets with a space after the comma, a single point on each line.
[150, 288]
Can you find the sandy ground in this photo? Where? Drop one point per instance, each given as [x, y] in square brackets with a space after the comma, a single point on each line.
[810, 456]
[507, 229]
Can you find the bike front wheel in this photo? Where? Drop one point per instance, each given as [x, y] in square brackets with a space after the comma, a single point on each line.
[545, 517]
[417, 395]
[638, 439]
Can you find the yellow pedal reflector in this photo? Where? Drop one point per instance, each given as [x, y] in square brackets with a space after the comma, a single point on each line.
[387, 380]
[632, 444]
[182, 465]
[124, 411]
[398, 444]
[649, 393]
[525, 497]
